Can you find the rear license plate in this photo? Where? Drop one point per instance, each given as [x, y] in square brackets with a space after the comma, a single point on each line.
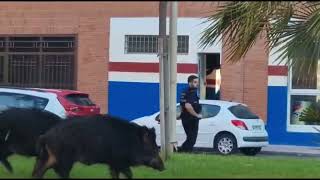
[256, 127]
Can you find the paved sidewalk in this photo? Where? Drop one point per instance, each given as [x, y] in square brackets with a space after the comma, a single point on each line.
[278, 150]
[291, 150]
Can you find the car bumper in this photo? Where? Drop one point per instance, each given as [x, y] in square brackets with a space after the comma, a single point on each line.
[253, 140]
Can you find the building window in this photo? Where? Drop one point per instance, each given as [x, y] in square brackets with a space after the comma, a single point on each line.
[2, 44]
[23, 70]
[58, 44]
[23, 44]
[183, 44]
[45, 62]
[57, 70]
[304, 101]
[142, 44]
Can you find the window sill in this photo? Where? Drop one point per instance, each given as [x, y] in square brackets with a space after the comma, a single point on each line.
[303, 128]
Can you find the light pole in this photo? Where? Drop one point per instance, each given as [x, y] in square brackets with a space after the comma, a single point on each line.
[173, 75]
[162, 61]
[168, 78]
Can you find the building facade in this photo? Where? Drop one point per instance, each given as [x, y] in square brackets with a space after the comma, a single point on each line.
[108, 49]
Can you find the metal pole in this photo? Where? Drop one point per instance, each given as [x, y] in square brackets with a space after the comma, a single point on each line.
[173, 76]
[166, 82]
[161, 43]
[202, 75]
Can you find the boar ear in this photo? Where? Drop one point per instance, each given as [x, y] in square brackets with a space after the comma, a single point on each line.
[145, 130]
[145, 134]
[152, 131]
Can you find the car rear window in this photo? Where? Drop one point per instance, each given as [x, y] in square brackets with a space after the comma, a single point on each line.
[242, 112]
[80, 99]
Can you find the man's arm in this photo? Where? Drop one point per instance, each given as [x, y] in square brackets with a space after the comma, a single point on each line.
[191, 110]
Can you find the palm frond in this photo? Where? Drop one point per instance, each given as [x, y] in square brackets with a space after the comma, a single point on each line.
[240, 23]
[292, 27]
[300, 42]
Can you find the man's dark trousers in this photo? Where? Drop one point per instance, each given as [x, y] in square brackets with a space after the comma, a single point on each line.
[190, 125]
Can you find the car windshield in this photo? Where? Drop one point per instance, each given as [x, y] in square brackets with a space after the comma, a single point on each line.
[242, 112]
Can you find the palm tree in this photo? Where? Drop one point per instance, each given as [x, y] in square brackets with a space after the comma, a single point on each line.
[293, 28]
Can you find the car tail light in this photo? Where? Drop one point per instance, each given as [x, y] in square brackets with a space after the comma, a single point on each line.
[72, 110]
[77, 110]
[239, 124]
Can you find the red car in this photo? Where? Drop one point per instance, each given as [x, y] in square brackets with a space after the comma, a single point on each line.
[64, 103]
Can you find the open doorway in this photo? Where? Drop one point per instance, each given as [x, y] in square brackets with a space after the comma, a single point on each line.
[209, 75]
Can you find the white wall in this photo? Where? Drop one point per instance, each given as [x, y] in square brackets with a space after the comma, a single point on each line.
[119, 27]
[273, 55]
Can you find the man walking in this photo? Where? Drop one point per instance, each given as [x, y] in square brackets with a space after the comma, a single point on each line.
[190, 113]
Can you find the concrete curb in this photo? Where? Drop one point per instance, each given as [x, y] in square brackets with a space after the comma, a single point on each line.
[273, 153]
[291, 149]
[278, 150]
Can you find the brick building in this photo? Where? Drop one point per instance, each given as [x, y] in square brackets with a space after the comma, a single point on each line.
[107, 49]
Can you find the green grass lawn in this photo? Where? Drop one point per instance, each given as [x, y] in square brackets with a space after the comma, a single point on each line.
[191, 166]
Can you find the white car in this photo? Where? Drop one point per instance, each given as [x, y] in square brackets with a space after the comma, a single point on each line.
[225, 127]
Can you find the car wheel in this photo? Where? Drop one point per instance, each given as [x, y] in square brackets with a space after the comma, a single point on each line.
[250, 151]
[225, 144]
